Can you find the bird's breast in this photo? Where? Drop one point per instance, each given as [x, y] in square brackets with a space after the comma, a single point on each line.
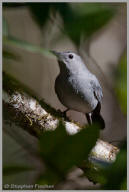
[75, 93]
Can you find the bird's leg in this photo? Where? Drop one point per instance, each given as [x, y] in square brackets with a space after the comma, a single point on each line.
[88, 116]
[64, 112]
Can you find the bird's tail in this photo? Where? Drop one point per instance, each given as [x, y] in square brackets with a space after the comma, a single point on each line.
[95, 117]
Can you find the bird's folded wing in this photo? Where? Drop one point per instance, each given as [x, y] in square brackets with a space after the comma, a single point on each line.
[97, 90]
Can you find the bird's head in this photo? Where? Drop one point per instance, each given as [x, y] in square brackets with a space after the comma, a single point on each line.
[69, 60]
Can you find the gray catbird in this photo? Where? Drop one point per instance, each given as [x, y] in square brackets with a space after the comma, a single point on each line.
[77, 88]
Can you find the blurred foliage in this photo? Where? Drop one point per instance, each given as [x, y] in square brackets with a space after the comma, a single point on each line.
[116, 174]
[8, 54]
[5, 29]
[8, 41]
[78, 18]
[14, 169]
[59, 151]
[40, 12]
[111, 176]
[26, 46]
[121, 83]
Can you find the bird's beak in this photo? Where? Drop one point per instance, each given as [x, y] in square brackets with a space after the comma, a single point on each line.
[57, 54]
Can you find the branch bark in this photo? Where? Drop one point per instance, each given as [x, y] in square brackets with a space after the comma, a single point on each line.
[34, 116]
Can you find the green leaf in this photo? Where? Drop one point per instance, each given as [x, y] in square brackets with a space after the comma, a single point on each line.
[14, 169]
[116, 174]
[121, 83]
[10, 55]
[40, 12]
[84, 18]
[61, 151]
[26, 46]
[124, 184]
[5, 30]
[113, 176]
[79, 18]
[94, 173]
[50, 177]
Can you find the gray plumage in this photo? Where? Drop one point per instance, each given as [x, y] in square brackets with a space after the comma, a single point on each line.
[76, 87]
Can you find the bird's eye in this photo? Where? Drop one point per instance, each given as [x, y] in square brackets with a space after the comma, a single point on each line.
[70, 56]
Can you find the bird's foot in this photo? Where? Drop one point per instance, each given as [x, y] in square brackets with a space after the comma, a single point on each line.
[63, 114]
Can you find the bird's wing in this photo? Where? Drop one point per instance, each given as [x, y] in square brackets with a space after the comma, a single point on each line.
[97, 89]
